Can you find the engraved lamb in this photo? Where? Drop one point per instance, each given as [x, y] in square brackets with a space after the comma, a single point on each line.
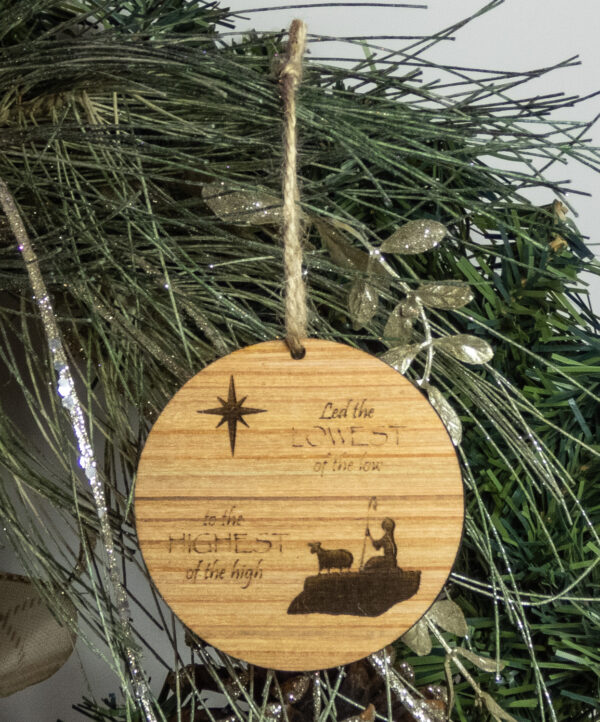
[331, 558]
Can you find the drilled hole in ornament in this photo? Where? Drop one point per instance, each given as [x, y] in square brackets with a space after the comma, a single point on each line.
[296, 352]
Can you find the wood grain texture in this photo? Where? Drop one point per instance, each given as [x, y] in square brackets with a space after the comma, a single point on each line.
[257, 484]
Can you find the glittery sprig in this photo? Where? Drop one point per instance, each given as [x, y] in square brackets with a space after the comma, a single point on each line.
[418, 708]
[66, 390]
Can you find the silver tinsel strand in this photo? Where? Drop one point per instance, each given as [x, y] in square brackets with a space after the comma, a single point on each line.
[70, 400]
[418, 708]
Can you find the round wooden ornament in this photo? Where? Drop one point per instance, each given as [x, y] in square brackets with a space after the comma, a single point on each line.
[299, 514]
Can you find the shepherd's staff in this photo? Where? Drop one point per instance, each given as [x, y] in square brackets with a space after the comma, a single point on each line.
[372, 505]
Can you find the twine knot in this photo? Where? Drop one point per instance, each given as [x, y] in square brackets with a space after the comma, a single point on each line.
[292, 67]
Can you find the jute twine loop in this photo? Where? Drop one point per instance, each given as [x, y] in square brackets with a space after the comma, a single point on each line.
[290, 76]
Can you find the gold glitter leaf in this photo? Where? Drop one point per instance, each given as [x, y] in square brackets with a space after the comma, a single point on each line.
[446, 413]
[249, 208]
[401, 357]
[485, 663]
[362, 302]
[410, 307]
[417, 638]
[294, 689]
[342, 253]
[273, 712]
[466, 348]
[449, 616]
[446, 296]
[398, 327]
[415, 237]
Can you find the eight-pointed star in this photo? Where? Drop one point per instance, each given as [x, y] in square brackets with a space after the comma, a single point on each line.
[232, 411]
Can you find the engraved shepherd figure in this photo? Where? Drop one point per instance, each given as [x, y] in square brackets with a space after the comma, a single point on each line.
[331, 558]
[377, 586]
[387, 543]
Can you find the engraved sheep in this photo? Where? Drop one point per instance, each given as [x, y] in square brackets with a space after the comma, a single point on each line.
[331, 558]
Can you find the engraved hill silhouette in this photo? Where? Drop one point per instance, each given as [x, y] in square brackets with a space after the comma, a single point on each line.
[369, 592]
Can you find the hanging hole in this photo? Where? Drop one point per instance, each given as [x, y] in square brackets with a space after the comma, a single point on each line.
[297, 351]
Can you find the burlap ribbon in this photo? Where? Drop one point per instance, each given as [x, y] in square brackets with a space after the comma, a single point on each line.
[34, 644]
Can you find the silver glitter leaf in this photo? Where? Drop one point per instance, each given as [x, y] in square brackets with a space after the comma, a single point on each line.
[446, 296]
[398, 327]
[449, 616]
[401, 357]
[485, 663]
[248, 208]
[417, 639]
[446, 413]
[362, 302]
[466, 348]
[495, 710]
[415, 237]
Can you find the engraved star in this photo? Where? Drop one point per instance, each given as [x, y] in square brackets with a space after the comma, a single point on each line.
[232, 411]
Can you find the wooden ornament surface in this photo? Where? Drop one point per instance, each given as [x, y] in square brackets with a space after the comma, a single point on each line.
[254, 491]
